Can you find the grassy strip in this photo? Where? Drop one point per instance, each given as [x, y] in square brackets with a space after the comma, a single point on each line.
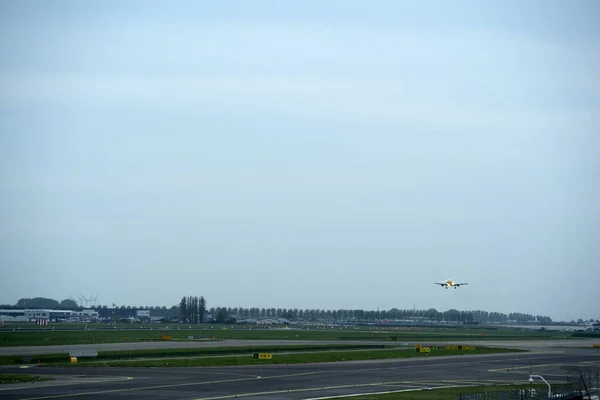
[593, 334]
[203, 351]
[234, 350]
[451, 393]
[21, 378]
[295, 358]
[48, 337]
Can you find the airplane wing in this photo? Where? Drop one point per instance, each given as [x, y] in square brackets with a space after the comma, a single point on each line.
[440, 283]
[465, 283]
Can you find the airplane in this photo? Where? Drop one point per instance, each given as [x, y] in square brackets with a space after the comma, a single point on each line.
[450, 283]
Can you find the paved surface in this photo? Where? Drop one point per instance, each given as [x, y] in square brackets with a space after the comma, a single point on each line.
[297, 381]
[522, 344]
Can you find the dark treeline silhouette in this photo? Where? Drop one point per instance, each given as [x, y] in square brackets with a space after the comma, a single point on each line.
[42, 302]
[192, 309]
[431, 315]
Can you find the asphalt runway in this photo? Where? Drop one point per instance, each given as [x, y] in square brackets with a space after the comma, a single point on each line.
[298, 381]
[521, 344]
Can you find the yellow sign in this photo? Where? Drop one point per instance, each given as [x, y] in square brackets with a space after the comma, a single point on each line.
[461, 347]
[263, 356]
[423, 350]
[73, 360]
[596, 346]
[165, 337]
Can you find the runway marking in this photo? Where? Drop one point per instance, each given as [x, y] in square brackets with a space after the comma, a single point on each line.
[254, 377]
[266, 377]
[232, 396]
[512, 369]
[429, 366]
[138, 388]
[182, 370]
[83, 381]
[420, 383]
[179, 373]
[507, 369]
[402, 385]
[377, 393]
[468, 381]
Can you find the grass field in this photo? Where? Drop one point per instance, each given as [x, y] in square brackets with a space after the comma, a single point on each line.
[93, 335]
[286, 358]
[21, 378]
[451, 393]
[593, 334]
[190, 352]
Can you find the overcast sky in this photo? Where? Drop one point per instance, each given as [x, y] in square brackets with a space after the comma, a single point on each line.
[312, 154]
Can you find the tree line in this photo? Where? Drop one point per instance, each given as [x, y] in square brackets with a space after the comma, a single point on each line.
[395, 314]
[41, 302]
[193, 309]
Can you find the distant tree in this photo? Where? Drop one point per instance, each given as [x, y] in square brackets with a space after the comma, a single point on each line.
[201, 308]
[192, 310]
[183, 309]
[469, 317]
[37, 302]
[222, 315]
[68, 304]
[173, 312]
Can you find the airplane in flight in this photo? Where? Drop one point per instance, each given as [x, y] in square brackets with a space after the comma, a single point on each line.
[450, 283]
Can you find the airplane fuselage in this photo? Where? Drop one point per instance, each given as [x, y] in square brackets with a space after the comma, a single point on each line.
[450, 283]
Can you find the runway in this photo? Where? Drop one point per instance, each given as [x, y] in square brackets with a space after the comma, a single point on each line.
[306, 381]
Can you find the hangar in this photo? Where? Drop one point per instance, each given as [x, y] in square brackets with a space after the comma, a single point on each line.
[52, 315]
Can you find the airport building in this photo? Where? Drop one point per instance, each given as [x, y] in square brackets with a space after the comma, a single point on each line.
[50, 315]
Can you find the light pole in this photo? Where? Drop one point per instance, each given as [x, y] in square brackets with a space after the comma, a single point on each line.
[545, 381]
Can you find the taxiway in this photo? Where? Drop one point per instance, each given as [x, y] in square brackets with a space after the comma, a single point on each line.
[294, 381]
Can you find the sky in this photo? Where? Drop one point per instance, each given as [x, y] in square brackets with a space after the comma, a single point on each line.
[331, 155]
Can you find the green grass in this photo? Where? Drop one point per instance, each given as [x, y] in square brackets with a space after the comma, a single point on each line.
[21, 378]
[592, 334]
[294, 358]
[190, 352]
[48, 337]
[451, 393]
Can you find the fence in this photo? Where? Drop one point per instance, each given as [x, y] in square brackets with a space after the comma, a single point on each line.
[584, 378]
[559, 392]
